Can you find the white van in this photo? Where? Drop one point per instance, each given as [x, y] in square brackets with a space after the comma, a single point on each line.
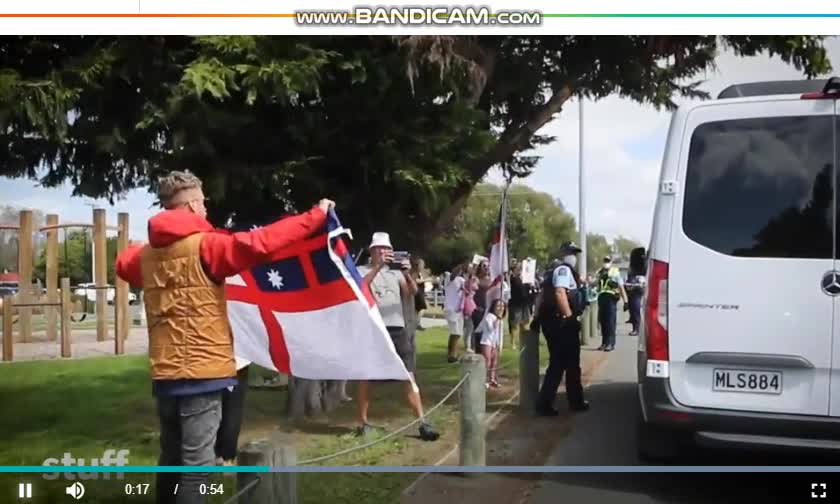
[741, 325]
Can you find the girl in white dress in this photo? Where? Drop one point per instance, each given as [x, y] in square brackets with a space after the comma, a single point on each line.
[491, 338]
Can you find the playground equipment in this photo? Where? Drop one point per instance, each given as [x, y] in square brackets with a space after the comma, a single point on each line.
[57, 302]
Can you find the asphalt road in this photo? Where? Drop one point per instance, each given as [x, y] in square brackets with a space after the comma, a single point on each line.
[606, 436]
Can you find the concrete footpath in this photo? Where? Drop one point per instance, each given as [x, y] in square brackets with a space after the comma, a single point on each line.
[512, 440]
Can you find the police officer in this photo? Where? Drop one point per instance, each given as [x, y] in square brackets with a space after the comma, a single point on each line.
[610, 288]
[635, 287]
[560, 303]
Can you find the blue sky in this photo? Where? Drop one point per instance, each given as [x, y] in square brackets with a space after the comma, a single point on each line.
[624, 142]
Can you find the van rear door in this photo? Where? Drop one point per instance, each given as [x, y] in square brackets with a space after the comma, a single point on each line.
[750, 327]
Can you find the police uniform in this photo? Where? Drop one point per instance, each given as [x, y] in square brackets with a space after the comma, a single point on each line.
[563, 338]
[609, 285]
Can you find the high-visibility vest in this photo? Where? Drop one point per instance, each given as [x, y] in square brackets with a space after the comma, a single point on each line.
[606, 282]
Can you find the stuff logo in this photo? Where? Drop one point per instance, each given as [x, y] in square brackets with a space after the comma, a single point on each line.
[109, 458]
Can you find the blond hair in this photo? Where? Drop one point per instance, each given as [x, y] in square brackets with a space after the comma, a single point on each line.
[177, 181]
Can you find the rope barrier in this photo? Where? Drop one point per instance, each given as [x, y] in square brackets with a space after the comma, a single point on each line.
[391, 434]
[244, 489]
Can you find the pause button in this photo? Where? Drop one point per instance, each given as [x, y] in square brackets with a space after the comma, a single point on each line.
[24, 490]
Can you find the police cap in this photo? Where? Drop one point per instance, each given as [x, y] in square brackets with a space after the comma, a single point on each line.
[569, 248]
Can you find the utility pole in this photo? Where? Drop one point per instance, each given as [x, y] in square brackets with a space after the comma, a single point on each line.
[582, 189]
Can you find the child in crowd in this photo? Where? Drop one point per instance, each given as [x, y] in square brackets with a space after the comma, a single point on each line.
[491, 339]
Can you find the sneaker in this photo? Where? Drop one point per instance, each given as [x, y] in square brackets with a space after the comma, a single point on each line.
[609, 348]
[634, 333]
[547, 412]
[365, 430]
[451, 359]
[427, 433]
[602, 347]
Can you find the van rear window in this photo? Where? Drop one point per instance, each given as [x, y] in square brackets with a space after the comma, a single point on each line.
[762, 187]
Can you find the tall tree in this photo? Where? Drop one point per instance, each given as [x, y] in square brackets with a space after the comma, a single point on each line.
[597, 247]
[623, 246]
[536, 226]
[398, 129]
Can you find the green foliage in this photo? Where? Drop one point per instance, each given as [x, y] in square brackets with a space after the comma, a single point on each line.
[397, 129]
[597, 247]
[75, 253]
[623, 246]
[536, 224]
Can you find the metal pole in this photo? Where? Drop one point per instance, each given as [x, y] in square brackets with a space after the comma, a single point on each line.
[585, 330]
[582, 196]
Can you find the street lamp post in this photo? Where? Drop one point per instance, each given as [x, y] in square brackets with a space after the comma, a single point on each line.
[582, 189]
[586, 329]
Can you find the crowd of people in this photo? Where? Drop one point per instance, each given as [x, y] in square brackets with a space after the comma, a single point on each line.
[551, 302]
[199, 383]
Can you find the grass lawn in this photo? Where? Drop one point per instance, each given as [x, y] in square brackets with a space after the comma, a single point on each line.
[86, 406]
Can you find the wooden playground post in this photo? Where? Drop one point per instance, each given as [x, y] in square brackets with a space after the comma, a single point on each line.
[66, 313]
[121, 320]
[8, 338]
[25, 274]
[100, 273]
[52, 277]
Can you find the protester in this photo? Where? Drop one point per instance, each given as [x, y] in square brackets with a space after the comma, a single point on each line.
[418, 266]
[409, 306]
[233, 405]
[182, 273]
[392, 287]
[453, 307]
[490, 340]
[519, 306]
[469, 308]
[482, 275]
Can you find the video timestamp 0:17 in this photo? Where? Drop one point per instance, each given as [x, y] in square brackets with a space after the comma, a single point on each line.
[203, 489]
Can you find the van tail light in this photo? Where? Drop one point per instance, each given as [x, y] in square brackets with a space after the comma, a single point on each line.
[656, 312]
[831, 91]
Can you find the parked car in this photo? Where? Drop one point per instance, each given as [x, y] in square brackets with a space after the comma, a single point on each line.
[739, 341]
[88, 291]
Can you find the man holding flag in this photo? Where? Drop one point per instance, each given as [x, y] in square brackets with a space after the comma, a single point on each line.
[182, 272]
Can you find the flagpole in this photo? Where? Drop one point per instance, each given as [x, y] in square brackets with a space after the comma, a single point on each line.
[505, 261]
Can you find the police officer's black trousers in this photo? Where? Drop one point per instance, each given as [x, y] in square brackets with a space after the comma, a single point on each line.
[607, 306]
[563, 341]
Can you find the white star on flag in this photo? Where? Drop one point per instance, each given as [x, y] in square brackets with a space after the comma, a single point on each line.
[275, 279]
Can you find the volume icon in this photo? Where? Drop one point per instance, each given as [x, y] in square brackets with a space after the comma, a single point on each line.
[76, 490]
